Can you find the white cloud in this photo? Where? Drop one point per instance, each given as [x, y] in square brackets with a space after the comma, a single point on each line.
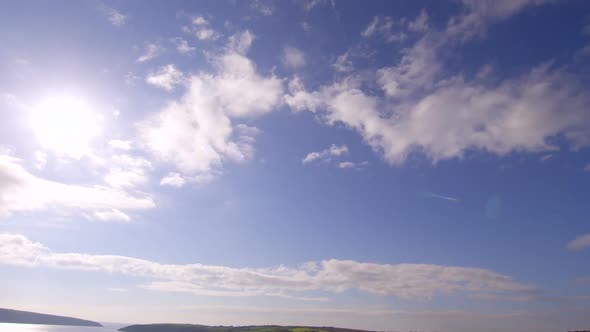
[112, 215]
[383, 26]
[166, 77]
[416, 71]
[346, 164]
[516, 115]
[201, 29]
[22, 191]
[308, 5]
[407, 281]
[371, 28]
[131, 78]
[118, 290]
[352, 165]
[306, 26]
[195, 133]
[122, 178]
[40, 159]
[120, 144]
[183, 47]
[327, 154]
[579, 243]
[443, 117]
[584, 51]
[173, 180]
[265, 8]
[200, 21]
[241, 42]
[206, 34]
[420, 23]
[114, 16]
[151, 51]
[293, 58]
[343, 63]
[443, 197]
[127, 171]
[478, 15]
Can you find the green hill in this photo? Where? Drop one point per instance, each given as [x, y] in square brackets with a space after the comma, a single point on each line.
[204, 328]
[26, 317]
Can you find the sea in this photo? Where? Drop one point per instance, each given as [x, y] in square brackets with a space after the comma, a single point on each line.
[10, 327]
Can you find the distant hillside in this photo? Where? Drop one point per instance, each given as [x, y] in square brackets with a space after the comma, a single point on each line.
[204, 328]
[25, 317]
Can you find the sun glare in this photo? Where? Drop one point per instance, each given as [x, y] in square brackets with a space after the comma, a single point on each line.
[65, 125]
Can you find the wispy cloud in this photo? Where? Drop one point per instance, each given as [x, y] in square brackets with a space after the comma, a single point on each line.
[327, 154]
[446, 198]
[151, 51]
[407, 281]
[262, 6]
[352, 165]
[579, 243]
[293, 57]
[309, 5]
[115, 17]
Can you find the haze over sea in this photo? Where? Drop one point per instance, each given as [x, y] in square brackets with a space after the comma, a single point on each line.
[10, 327]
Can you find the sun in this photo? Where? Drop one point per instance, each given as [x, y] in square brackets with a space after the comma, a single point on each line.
[66, 125]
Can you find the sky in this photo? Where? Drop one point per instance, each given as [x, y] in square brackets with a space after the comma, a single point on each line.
[381, 165]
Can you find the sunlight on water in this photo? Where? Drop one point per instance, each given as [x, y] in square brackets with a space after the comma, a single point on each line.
[9, 327]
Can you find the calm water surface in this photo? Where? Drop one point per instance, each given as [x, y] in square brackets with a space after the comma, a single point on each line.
[9, 327]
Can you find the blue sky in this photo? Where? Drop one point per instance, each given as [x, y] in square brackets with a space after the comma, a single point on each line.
[381, 165]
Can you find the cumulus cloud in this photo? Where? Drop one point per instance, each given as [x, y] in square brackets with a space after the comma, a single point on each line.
[196, 133]
[151, 51]
[22, 191]
[293, 58]
[167, 77]
[579, 243]
[407, 281]
[327, 154]
[443, 116]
